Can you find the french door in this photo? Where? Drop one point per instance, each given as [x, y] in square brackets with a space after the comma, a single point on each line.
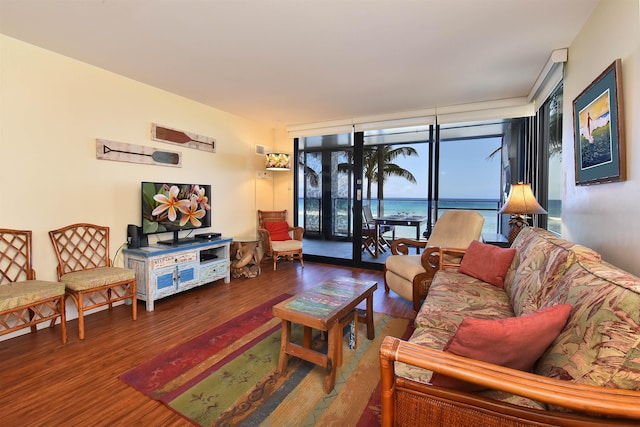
[337, 174]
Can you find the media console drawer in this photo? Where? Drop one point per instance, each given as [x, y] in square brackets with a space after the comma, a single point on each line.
[168, 260]
[162, 271]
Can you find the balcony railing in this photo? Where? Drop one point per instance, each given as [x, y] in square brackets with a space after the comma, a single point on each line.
[310, 213]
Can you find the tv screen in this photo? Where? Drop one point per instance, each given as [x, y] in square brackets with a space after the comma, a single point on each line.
[170, 207]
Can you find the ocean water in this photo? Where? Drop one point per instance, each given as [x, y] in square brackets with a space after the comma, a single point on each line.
[412, 207]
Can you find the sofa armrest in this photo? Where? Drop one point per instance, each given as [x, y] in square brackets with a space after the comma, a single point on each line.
[599, 401]
[450, 258]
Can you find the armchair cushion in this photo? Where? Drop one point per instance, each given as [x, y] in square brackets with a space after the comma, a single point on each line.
[278, 231]
[488, 263]
[515, 342]
[405, 266]
[286, 245]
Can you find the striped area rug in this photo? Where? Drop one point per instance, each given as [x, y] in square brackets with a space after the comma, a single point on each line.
[227, 376]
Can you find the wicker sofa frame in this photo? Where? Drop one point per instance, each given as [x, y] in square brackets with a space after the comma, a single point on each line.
[409, 403]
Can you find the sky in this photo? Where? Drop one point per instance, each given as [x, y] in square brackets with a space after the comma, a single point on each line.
[465, 171]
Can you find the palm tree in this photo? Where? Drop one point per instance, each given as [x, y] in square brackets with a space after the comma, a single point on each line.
[384, 155]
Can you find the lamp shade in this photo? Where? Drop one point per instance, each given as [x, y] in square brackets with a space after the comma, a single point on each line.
[278, 162]
[522, 201]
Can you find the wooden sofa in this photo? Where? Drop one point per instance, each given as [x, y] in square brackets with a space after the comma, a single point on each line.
[589, 374]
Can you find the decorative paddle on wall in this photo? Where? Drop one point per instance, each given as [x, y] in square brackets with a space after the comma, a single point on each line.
[180, 137]
[121, 152]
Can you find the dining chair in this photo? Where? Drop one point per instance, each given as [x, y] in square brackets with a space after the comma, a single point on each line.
[382, 228]
[85, 268]
[25, 301]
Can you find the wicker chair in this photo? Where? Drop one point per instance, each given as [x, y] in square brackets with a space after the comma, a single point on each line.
[85, 268]
[283, 246]
[410, 275]
[25, 301]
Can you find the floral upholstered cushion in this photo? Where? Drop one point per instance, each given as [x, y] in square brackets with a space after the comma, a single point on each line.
[17, 294]
[601, 343]
[541, 259]
[96, 277]
[538, 265]
[454, 296]
[430, 338]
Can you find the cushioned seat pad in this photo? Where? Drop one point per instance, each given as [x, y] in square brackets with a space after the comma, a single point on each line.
[286, 245]
[16, 294]
[101, 276]
[405, 266]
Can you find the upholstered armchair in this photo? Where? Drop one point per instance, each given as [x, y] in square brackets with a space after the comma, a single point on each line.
[410, 275]
[279, 238]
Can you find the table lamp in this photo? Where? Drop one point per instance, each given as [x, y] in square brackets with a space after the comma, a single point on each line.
[520, 203]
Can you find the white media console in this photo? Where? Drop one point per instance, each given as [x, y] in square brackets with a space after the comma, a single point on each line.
[167, 270]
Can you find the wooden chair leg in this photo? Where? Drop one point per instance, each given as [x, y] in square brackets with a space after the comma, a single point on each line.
[62, 307]
[79, 304]
[134, 300]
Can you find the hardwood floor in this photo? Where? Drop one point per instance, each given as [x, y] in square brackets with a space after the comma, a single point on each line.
[45, 383]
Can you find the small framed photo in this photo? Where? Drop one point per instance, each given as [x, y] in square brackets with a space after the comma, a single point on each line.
[598, 120]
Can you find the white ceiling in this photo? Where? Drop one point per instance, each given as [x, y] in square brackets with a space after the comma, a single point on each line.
[285, 62]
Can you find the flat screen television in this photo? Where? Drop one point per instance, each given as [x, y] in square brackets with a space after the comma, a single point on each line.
[168, 207]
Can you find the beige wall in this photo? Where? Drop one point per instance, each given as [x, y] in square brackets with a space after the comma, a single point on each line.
[52, 109]
[604, 216]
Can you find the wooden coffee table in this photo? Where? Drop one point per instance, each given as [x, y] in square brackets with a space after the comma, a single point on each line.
[323, 308]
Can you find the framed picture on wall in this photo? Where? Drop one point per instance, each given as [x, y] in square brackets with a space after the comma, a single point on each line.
[598, 120]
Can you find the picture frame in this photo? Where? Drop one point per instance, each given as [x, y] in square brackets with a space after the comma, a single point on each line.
[598, 119]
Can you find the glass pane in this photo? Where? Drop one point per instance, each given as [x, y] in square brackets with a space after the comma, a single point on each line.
[340, 193]
[310, 202]
[396, 182]
[469, 178]
[555, 162]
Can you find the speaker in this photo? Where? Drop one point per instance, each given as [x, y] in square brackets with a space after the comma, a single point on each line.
[135, 238]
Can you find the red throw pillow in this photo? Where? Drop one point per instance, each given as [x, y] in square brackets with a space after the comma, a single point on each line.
[515, 342]
[488, 263]
[278, 231]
